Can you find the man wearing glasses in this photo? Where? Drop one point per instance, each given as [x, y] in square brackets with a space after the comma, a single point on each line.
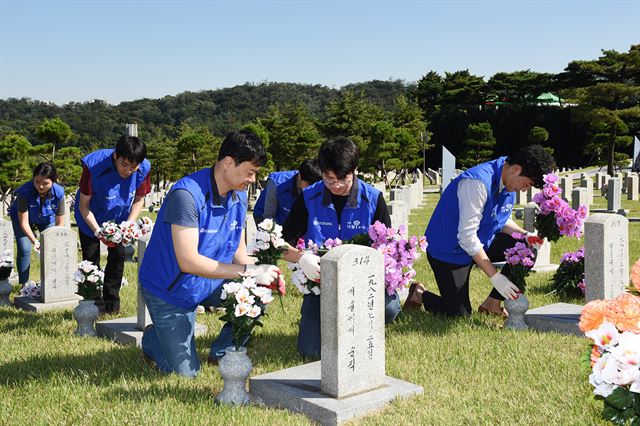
[338, 206]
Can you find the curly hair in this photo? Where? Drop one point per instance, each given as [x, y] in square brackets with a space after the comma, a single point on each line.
[535, 163]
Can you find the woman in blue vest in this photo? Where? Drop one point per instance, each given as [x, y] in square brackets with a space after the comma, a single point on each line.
[39, 203]
[472, 225]
[282, 189]
[338, 206]
[195, 246]
[112, 187]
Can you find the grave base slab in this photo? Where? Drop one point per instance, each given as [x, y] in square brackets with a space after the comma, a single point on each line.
[125, 330]
[560, 317]
[34, 305]
[297, 389]
[551, 267]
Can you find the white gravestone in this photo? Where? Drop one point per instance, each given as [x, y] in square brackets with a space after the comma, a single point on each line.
[6, 237]
[58, 262]
[632, 187]
[614, 194]
[580, 197]
[566, 183]
[606, 262]
[601, 179]
[143, 318]
[399, 213]
[352, 320]
[543, 258]
[448, 168]
[587, 182]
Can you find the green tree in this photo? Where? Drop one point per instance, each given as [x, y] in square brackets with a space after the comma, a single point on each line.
[518, 87]
[16, 163]
[55, 132]
[479, 144]
[196, 148]
[463, 90]
[607, 92]
[162, 154]
[69, 167]
[429, 93]
[293, 135]
[538, 135]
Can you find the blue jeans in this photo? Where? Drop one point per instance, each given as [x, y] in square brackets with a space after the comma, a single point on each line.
[309, 328]
[171, 342]
[23, 257]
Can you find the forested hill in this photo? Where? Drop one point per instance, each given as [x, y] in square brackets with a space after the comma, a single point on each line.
[98, 124]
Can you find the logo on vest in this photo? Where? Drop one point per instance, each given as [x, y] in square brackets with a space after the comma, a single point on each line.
[233, 225]
[316, 222]
[506, 209]
[354, 225]
[208, 231]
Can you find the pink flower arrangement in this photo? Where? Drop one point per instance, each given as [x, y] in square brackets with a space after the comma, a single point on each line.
[569, 277]
[400, 251]
[521, 258]
[555, 218]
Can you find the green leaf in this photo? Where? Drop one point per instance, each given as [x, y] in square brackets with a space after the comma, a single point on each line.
[612, 414]
[620, 398]
[636, 403]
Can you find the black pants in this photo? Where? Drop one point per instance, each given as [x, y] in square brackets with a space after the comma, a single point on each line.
[110, 300]
[453, 281]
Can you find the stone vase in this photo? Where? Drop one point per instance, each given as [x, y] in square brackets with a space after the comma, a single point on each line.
[235, 367]
[516, 309]
[5, 291]
[86, 314]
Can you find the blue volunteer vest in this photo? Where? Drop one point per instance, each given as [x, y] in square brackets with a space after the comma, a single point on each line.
[41, 212]
[220, 231]
[286, 193]
[112, 195]
[442, 230]
[356, 217]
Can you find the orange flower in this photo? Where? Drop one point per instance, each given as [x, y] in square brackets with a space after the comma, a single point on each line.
[627, 313]
[595, 355]
[593, 314]
[635, 275]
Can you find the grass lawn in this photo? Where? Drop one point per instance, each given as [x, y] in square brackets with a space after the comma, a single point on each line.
[473, 371]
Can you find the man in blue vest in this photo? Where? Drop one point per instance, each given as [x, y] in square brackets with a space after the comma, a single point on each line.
[112, 187]
[472, 225]
[281, 190]
[195, 246]
[338, 206]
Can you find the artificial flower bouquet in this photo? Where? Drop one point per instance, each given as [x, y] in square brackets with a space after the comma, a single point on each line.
[126, 233]
[89, 279]
[521, 259]
[6, 265]
[614, 358]
[555, 218]
[268, 246]
[569, 277]
[399, 250]
[130, 233]
[244, 302]
[31, 289]
[145, 225]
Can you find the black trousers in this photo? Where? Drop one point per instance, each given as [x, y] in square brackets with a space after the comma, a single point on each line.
[110, 300]
[453, 281]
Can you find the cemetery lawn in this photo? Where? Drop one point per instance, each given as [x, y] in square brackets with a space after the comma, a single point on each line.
[472, 370]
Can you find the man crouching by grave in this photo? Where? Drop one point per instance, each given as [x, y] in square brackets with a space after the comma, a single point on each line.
[195, 246]
[338, 206]
[112, 188]
[472, 224]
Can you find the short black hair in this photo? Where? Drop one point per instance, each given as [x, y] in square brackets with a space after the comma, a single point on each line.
[243, 145]
[46, 170]
[339, 156]
[131, 148]
[310, 171]
[535, 162]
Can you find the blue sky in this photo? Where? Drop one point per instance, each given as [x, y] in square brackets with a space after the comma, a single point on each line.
[80, 50]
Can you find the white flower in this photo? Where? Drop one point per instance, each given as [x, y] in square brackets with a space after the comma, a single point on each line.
[231, 287]
[254, 311]
[601, 388]
[266, 298]
[635, 386]
[627, 351]
[242, 309]
[86, 266]
[243, 296]
[262, 236]
[604, 336]
[262, 245]
[78, 277]
[93, 278]
[266, 224]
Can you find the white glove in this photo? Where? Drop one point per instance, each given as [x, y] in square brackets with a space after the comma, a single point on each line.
[310, 264]
[36, 246]
[264, 274]
[505, 287]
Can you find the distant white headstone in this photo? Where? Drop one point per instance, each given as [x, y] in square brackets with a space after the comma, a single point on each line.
[448, 168]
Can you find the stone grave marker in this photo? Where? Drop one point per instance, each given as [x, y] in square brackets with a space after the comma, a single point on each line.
[448, 168]
[543, 258]
[566, 183]
[399, 213]
[350, 380]
[632, 187]
[614, 194]
[58, 262]
[6, 237]
[580, 197]
[531, 192]
[587, 182]
[606, 260]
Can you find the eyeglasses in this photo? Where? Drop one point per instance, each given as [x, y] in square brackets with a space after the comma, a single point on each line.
[337, 182]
